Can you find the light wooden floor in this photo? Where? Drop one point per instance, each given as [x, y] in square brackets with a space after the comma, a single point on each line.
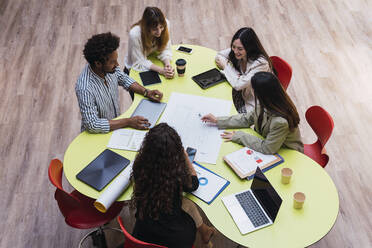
[327, 42]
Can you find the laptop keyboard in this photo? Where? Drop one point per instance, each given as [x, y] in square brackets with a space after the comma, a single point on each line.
[252, 209]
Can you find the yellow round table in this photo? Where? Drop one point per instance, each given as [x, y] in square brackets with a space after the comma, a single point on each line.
[292, 228]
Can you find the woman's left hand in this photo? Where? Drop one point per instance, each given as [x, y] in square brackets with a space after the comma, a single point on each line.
[227, 135]
[168, 71]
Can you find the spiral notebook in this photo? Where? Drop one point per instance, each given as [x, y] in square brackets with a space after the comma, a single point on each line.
[245, 161]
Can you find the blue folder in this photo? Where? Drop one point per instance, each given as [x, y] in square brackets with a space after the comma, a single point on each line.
[221, 189]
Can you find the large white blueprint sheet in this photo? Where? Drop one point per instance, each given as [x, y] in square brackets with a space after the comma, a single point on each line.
[184, 112]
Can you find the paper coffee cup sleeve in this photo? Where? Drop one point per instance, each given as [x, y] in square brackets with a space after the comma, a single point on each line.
[114, 190]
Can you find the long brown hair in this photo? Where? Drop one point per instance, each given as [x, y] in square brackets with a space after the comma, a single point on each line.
[272, 97]
[252, 46]
[159, 173]
[151, 18]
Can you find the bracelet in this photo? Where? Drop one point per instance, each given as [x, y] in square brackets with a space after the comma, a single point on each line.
[145, 93]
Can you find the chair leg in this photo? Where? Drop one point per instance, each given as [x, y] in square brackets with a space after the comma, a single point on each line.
[99, 239]
[98, 236]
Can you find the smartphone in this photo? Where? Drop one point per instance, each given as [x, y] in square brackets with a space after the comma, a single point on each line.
[191, 152]
[184, 49]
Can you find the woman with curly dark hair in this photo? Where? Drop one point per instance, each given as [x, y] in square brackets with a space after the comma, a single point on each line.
[161, 173]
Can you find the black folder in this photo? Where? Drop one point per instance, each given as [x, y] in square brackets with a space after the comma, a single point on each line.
[103, 169]
[149, 77]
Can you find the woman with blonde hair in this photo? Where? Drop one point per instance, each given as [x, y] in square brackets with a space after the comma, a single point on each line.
[149, 35]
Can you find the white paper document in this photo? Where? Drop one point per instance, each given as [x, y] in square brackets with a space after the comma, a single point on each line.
[126, 139]
[114, 190]
[184, 112]
[210, 184]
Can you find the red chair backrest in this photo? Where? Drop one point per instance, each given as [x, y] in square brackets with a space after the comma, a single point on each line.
[132, 242]
[55, 173]
[66, 201]
[321, 122]
[283, 70]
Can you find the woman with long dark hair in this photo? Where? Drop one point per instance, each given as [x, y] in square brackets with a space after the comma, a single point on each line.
[149, 35]
[161, 173]
[240, 62]
[275, 118]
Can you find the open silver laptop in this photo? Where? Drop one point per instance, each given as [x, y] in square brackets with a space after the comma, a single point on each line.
[254, 208]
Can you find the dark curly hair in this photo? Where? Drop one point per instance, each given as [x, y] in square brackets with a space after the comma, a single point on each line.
[159, 172]
[100, 46]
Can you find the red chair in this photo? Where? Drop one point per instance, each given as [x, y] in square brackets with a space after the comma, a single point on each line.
[78, 209]
[132, 242]
[322, 124]
[283, 70]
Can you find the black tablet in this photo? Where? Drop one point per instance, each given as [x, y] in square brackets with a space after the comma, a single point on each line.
[150, 77]
[103, 169]
[209, 78]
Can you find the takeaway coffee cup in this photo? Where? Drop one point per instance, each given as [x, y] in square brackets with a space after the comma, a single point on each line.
[286, 175]
[298, 200]
[181, 67]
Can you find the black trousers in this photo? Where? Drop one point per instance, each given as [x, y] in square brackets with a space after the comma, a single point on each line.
[131, 93]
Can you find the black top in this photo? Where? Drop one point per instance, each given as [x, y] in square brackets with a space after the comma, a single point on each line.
[176, 230]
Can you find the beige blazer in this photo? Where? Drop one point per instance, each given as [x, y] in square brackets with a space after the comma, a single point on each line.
[274, 129]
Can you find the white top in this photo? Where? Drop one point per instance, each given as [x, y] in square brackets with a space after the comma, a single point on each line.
[135, 58]
[242, 81]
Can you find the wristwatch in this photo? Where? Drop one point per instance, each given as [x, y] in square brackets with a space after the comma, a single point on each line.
[145, 93]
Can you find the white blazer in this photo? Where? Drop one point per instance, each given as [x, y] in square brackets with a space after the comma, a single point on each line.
[242, 81]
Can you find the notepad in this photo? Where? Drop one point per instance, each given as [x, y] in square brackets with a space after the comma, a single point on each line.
[126, 139]
[210, 184]
[103, 169]
[245, 161]
[149, 77]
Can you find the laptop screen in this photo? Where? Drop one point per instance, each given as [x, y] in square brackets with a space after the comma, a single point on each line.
[266, 194]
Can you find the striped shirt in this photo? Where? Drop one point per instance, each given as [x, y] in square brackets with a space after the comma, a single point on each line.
[99, 102]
